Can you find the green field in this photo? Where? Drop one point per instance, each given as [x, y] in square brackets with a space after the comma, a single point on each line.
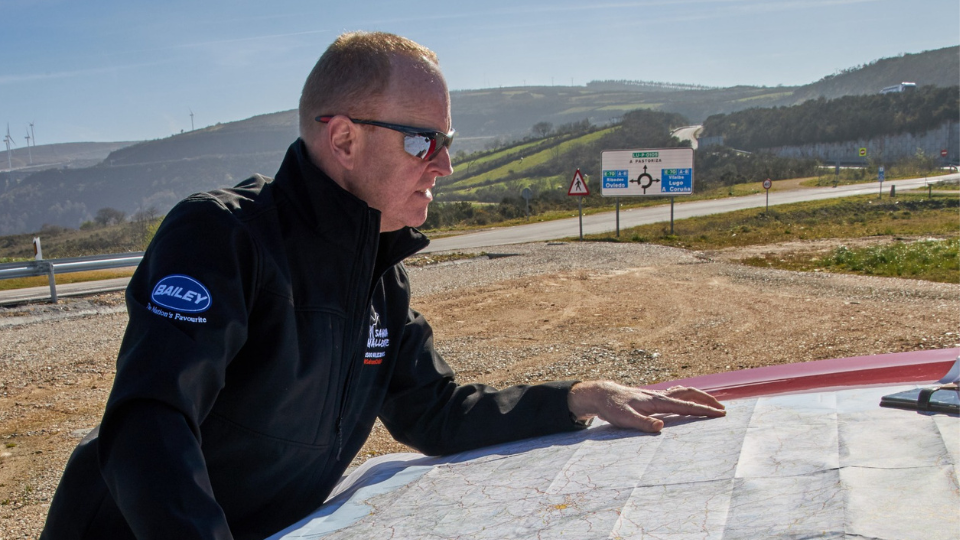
[931, 260]
[517, 166]
[892, 219]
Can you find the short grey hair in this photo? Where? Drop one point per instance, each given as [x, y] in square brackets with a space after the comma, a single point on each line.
[354, 72]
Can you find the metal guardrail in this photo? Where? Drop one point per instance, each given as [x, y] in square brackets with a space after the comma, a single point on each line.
[51, 267]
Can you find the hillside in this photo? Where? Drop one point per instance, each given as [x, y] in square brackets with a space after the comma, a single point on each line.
[158, 173]
[263, 134]
[940, 67]
[149, 174]
[45, 156]
[544, 164]
[842, 119]
[483, 116]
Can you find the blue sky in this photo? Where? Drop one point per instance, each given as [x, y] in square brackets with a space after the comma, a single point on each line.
[130, 70]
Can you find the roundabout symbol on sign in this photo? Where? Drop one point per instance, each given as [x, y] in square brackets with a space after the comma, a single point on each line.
[645, 183]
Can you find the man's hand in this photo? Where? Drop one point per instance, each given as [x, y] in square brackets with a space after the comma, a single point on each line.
[628, 407]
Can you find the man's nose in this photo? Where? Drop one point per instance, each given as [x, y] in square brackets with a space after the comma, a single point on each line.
[442, 163]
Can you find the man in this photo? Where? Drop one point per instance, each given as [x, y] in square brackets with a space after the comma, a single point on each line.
[270, 326]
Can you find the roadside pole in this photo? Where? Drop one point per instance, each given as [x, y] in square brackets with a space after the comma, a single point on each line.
[671, 216]
[580, 207]
[618, 217]
[880, 175]
[766, 186]
[578, 188]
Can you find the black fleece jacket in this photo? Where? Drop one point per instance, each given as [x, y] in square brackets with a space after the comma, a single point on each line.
[270, 325]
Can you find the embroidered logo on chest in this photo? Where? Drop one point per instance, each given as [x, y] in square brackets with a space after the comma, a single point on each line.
[378, 339]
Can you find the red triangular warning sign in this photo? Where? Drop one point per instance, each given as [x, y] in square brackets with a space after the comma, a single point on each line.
[578, 186]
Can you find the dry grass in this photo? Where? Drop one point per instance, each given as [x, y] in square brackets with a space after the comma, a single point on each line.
[77, 277]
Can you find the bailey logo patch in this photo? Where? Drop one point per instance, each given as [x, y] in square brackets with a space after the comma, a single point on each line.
[181, 293]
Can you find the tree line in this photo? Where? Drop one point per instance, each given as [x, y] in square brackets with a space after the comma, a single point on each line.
[843, 119]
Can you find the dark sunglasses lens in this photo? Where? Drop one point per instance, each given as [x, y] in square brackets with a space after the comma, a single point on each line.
[419, 146]
[439, 142]
[426, 146]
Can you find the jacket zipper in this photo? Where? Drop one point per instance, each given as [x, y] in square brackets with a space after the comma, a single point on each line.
[352, 360]
[351, 368]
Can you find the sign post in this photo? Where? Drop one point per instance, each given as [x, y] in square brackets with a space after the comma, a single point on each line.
[618, 217]
[578, 188]
[647, 172]
[880, 176]
[766, 185]
[671, 216]
[527, 195]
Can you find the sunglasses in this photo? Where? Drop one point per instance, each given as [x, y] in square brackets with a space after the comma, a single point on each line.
[420, 143]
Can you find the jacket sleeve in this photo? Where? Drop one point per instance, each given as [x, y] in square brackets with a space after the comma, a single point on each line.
[426, 409]
[188, 305]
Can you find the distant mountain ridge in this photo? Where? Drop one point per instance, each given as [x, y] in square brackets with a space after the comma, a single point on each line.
[78, 154]
[940, 67]
[159, 173]
[483, 115]
[265, 133]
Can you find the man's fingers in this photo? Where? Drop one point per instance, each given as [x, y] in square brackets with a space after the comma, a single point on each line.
[648, 424]
[695, 395]
[629, 418]
[670, 405]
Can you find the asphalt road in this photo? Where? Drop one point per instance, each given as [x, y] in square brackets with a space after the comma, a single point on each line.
[688, 133]
[552, 230]
[605, 222]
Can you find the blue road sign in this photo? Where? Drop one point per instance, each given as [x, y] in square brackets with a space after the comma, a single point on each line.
[616, 179]
[676, 180]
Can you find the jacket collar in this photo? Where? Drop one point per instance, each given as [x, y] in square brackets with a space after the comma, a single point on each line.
[327, 207]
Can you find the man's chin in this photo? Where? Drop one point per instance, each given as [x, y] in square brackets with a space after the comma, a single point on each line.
[420, 223]
[420, 219]
[410, 221]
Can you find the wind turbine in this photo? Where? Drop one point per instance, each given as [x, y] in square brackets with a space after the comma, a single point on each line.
[9, 140]
[32, 136]
[29, 152]
[191, 119]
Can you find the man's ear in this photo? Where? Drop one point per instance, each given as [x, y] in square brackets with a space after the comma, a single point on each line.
[342, 140]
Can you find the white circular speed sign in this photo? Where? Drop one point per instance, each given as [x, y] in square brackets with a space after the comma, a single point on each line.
[767, 183]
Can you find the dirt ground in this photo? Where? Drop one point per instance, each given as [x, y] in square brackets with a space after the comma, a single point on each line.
[639, 314]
